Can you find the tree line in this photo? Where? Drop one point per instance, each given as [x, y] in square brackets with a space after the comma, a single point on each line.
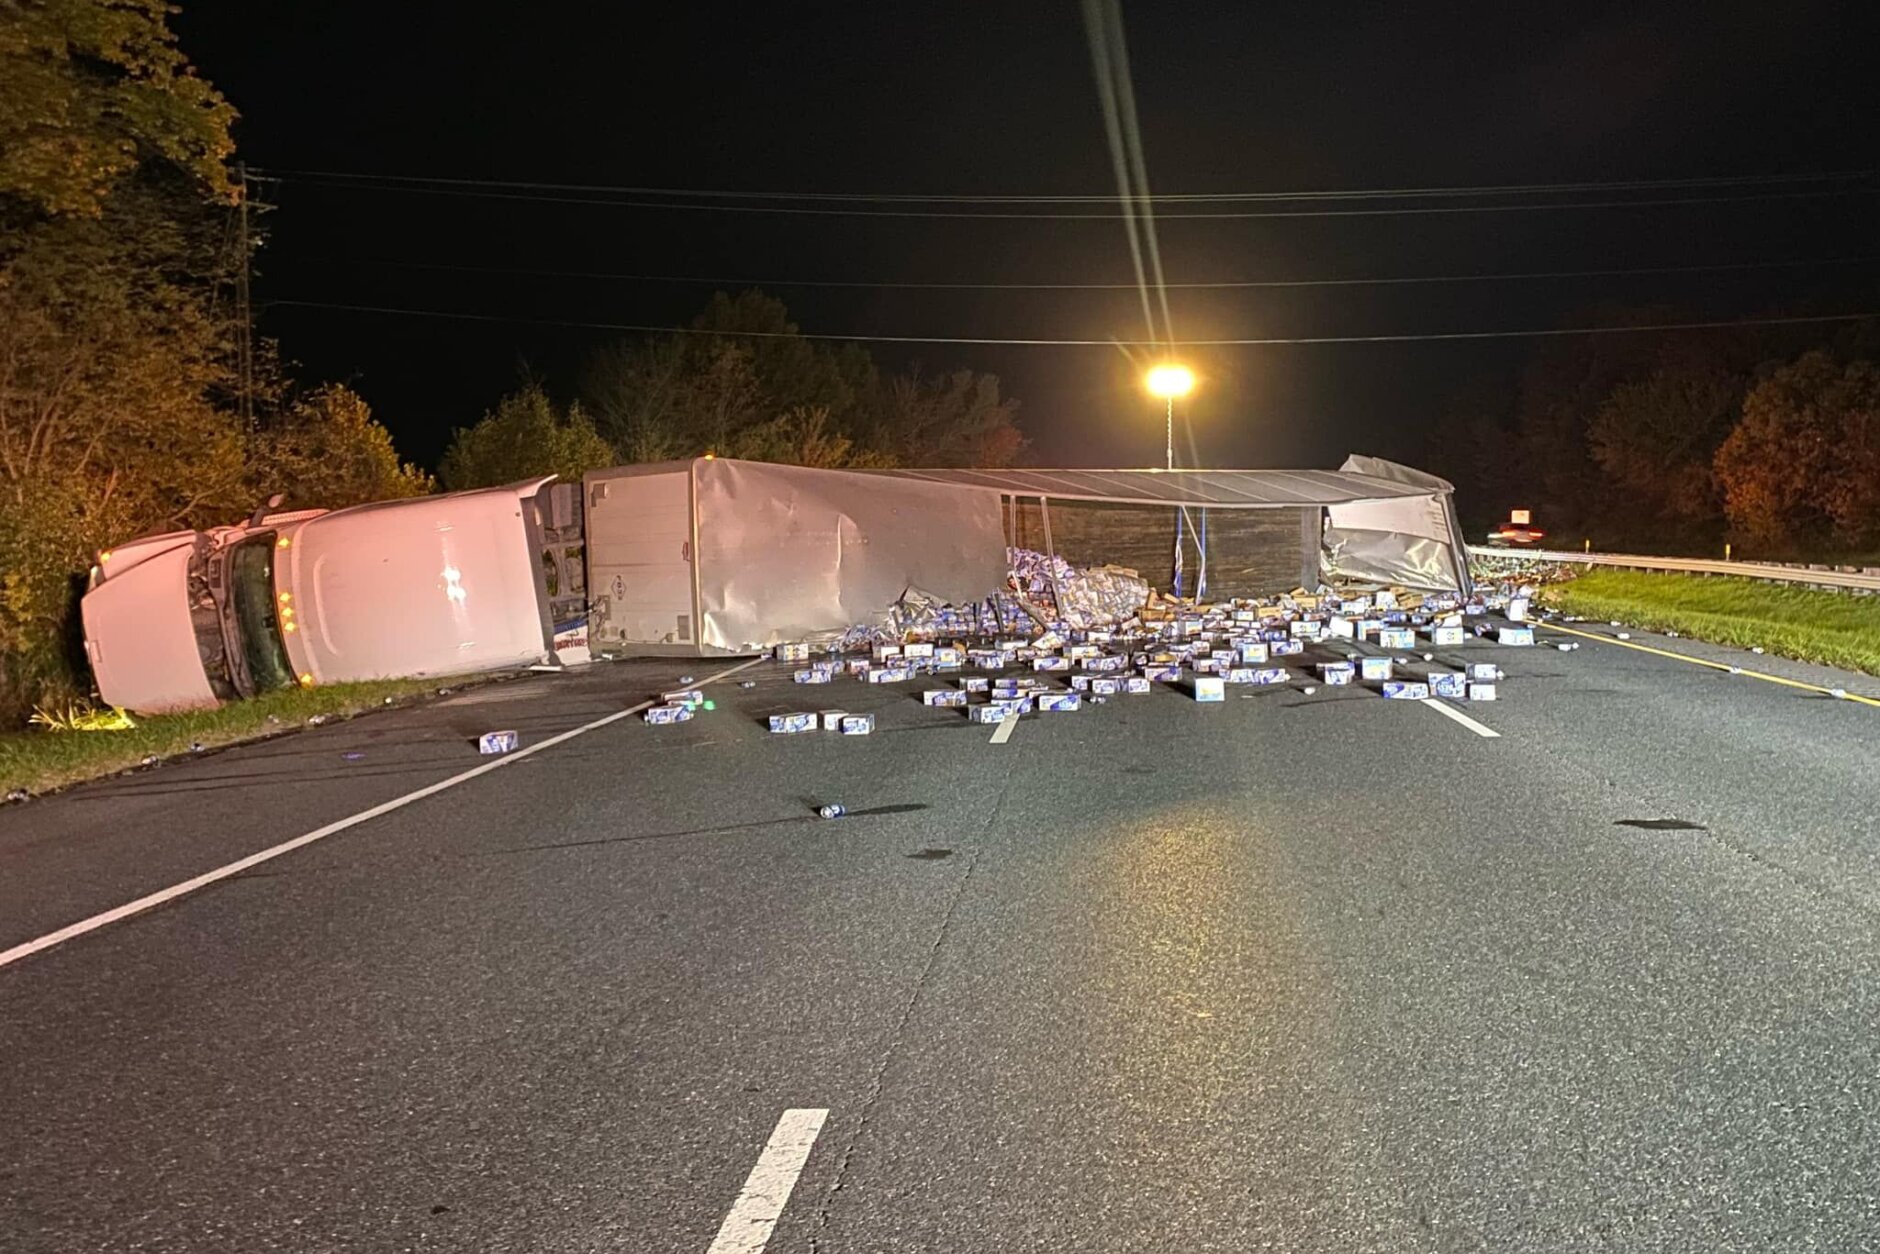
[1764, 437]
[127, 406]
[741, 381]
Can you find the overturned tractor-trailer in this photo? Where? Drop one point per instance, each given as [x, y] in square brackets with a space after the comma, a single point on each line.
[708, 556]
[717, 556]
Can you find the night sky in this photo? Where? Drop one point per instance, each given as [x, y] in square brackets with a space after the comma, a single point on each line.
[999, 98]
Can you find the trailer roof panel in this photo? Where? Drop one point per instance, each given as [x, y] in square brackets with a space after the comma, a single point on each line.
[1215, 489]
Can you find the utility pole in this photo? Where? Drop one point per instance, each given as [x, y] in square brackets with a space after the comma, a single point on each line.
[245, 343]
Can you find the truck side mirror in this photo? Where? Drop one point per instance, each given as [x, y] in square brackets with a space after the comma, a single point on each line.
[261, 512]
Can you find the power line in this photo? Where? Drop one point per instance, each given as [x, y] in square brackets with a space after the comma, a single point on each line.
[1069, 343]
[1217, 285]
[414, 189]
[1391, 193]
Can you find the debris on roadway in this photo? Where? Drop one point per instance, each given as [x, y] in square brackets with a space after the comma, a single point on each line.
[1059, 638]
[497, 742]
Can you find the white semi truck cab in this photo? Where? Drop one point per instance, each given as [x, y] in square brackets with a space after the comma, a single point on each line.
[435, 585]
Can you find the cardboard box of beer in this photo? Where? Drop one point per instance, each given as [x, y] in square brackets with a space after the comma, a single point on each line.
[996, 711]
[1447, 684]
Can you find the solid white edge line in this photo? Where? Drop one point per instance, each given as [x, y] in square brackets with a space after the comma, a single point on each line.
[746, 1230]
[69, 931]
[1003, 732]
[1462, 718]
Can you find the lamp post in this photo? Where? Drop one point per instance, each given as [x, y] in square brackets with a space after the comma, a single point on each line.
[1168, 381]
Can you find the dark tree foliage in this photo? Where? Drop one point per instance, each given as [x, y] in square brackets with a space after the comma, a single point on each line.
[1677, 442]
[747, 383]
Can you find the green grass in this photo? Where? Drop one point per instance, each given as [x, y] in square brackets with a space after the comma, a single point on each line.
[1832, 628]
[39, 760]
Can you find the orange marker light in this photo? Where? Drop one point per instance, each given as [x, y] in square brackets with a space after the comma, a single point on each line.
[306, 680]
[281, 543]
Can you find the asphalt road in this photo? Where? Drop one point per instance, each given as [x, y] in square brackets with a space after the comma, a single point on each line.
[1322, 973]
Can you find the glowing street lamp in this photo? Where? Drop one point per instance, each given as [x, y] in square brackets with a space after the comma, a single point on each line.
[1168, 381]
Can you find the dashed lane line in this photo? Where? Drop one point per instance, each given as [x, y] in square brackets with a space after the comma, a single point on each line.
[747, 1229]
[1457, 715]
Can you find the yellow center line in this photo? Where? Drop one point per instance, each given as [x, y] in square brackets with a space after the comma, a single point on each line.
[1715, 666]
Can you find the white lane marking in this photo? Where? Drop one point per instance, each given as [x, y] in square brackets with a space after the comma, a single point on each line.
[1003, 732]
[746, 1230]
[129, 908]
[1460, 717]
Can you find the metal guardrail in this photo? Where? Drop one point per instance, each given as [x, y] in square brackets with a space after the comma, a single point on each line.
[1867, 580]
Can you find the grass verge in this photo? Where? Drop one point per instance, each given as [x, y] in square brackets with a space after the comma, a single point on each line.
[1832, 628]
[38, 760]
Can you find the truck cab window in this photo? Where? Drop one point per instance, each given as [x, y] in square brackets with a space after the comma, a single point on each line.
[251, 575]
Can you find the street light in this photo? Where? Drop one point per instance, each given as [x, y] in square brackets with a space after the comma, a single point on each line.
[1168, 381]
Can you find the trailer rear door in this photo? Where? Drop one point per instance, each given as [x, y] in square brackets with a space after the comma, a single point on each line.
[639, 550]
